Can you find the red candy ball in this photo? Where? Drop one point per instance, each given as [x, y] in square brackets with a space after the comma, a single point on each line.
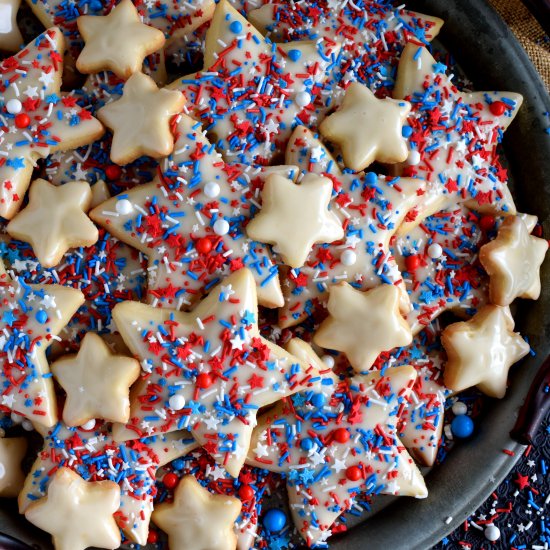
[170, 480]
[487, 223]
[204, 380]
[113, 172]
[152, 537]
[22, 120]
[412, 262]
[497, 108]
[353, 473]
[203, 245]
[341, 435]
[246, 492]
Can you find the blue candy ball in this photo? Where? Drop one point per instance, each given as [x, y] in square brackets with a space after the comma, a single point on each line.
[307, 444]
[294, 55]
[236, 27]
[406, 131]
[274, 520]
[318, 400]
[462, 426]
[371, 178]
[178, 464]
[41, 316]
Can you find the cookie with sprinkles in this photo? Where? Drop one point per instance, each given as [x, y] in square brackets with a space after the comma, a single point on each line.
[208, 370]
[372, 34]
[335, 441]
[191, 222]
[12, 452]
[10, 35]
[31, 318]
[252, 92]
[35, 118]
[94, 456]
[454, 136]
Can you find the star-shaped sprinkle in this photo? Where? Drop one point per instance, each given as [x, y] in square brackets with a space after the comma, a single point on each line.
[216, 363]
[453, 137]
[337, 442]
[252, 92]
[78, 513]
[10, 36]
[96, 381]
[197, 518]
[295, 217]
[513, 262]
[482, 350]
[368, 128]
[363, 324]
[12, 452]
[191, 222]
[35, 118]
[117, 42]
[55, 220]
[31, 317]
[95, 456]
[140, 120]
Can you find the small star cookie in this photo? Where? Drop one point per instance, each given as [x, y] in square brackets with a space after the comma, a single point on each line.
[55, 220]
[513, 262]
[368, 128]
[117, 42]
[363, 324]
[12, 452]
[294, 217]
[140, 120]
[77, 513]
[482, 350]
[198, 519]
[10, 36]
[36, 118]
[96, 381]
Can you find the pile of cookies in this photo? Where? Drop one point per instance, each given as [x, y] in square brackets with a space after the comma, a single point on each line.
[229, 284]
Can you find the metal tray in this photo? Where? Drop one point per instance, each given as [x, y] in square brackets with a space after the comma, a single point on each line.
[493, 59]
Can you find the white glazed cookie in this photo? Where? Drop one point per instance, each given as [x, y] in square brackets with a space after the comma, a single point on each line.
[12, 452]
[10, 35]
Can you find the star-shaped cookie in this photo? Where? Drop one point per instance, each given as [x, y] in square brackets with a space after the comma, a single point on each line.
[336, 441]
[36, 118]
[251, 92]
[77, 513]
[96, 382]
[513, 262]
[191, 222]
[197, 518]
[453, 136]
[31, 317]
[294, 217]
[117, 42]
[368, 128]
[10, 36]
[363, 324]
[55, 220]
[12, 452]
[140, 120]
[94, 456]
[208, 370]
[481, 351]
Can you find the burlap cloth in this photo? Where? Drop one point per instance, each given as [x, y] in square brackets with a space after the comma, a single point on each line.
[528, 32]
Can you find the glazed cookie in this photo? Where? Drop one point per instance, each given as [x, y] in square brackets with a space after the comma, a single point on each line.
[10, 35]
[12, 452]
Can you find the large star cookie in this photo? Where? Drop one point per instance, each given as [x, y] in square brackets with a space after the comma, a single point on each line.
[336, 441]
[453, 136]
[208, 370]
[191, 222]
[31, 318]
[36, 119]
[252, 92]
[96, 457]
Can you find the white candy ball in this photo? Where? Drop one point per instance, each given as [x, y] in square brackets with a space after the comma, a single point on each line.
[14, 106]
[414, 157]
[348, 257]
[211, 189]
[176, 402]
[16, 418]
[328, 360]
[221, 227]
[27, 425]
[302, 99]
[492, 533]
[435, 251]
[90, 425]
[124, 207]
[459, 407]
